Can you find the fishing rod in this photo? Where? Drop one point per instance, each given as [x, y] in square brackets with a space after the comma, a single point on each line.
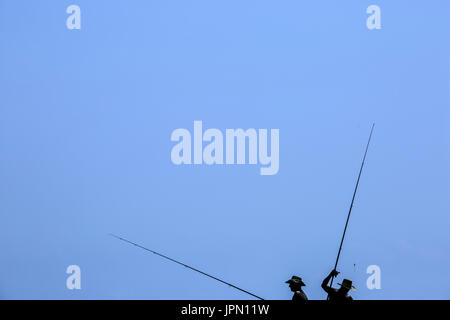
[185, 265]
[353, 200]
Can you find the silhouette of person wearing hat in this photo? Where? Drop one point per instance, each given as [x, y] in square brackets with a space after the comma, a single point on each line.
[341, 294]
[296, 284]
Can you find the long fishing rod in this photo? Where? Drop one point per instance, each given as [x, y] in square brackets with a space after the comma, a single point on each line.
[185, 265]
[353, 200]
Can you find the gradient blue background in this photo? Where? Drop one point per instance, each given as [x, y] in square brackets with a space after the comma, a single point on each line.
[85, 123]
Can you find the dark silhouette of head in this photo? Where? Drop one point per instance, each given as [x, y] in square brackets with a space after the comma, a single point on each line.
[346, 286]
[295, 283]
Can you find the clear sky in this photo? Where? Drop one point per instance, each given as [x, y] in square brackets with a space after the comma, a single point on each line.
[85, 123]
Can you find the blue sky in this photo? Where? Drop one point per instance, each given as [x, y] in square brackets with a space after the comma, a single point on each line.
[85, 123]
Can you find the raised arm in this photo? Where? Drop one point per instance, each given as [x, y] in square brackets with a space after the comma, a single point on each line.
[325, 286]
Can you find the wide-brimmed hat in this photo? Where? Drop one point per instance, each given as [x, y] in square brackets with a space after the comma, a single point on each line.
[347, 284]
[296, 280]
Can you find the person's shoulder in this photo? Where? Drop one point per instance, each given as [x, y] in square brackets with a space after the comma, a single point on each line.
[332, 292]
[300, 295]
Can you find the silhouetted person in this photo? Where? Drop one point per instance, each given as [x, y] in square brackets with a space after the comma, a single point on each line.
[341, 294]
[296, 284]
